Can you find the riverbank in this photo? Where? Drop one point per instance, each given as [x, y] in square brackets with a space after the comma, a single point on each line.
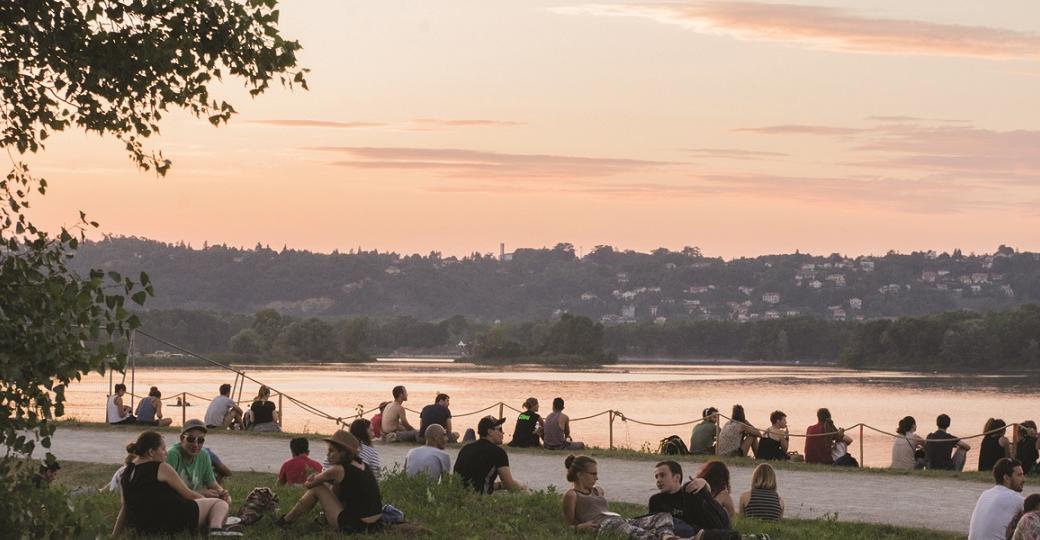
[916, 500]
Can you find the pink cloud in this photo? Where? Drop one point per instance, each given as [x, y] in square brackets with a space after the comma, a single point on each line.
[829, 28]
[733, 153]
[297, 122]
[465, 122]
[461, 163]
[801, 129]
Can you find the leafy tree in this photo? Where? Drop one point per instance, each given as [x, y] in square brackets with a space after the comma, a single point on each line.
[247, 341]
[309, 339]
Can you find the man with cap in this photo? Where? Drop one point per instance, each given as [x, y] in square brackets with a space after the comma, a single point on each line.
[192, 464]
[702, 440]
[480, 462]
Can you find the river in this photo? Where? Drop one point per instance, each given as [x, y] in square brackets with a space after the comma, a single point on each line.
[661, 394]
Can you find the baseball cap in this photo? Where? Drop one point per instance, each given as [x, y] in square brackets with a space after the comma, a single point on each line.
[487, 423]
[194, 423]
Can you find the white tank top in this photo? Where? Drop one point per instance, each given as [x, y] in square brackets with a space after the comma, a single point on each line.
[114, 414]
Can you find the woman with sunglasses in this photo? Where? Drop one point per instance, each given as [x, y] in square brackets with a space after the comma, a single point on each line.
[156, 501]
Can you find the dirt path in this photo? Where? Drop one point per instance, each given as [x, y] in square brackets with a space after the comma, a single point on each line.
[934, 503]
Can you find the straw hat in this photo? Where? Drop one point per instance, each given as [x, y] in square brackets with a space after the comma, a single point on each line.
[345, 440]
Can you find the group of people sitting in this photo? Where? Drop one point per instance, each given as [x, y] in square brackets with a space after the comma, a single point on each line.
[223, 412]
[149, 409]
[825, 443]
[552, 432]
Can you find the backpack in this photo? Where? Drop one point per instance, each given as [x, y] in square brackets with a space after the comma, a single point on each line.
[260, 501]
[674, 445]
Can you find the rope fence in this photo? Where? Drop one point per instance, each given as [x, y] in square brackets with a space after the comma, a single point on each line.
[241, 377]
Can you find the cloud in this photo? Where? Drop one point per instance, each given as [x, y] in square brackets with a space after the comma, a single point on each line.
[465, 122]
[913, 119]
[297, 122]
[461, 163]
[733, 153]
[801, 129]
[829, 28]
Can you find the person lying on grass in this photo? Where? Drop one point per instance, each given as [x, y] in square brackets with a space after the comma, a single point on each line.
[585, 507]
[154, 499]
[347, 491]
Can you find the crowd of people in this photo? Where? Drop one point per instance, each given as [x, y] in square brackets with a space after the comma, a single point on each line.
[186, 479]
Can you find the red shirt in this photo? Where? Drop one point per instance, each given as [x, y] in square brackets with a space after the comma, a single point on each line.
[377, 425]
[297, 469]
[817, 449]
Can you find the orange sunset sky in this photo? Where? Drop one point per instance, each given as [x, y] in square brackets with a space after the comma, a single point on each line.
[740, 127]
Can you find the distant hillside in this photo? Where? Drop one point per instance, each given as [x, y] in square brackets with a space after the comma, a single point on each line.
[606, 285]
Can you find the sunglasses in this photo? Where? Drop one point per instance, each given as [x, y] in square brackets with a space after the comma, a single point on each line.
[194, 439]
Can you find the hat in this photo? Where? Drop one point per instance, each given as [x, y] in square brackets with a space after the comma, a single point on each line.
[194, 423]
[345, 440]
[487, 423]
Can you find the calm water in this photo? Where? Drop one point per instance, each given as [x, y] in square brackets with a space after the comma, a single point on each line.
[658, 394]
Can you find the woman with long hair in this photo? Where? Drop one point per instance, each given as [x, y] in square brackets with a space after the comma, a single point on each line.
[908, 449]
[347, 491]
[585, 507]
[994, 445]
[738, 436]
[762, 501]
[154, 499]
[362, 430]
[716, 474]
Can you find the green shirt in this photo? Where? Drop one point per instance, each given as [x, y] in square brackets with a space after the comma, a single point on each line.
[198, 474]
[703, 439]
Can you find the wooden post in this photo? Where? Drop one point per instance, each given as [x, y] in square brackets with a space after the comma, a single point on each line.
[862, 458]
[184, 408]
[717, 429]
[610, 415]
[1014, 440]
[501, 410]
[280, 411]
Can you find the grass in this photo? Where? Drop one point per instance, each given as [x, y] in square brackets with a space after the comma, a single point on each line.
[449, 511]
[623, 453]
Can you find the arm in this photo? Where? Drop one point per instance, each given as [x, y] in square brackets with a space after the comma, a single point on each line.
[963, 445]
[447, 427]
[1006, 444]
[117, 529]
[695, 485]
[403, 418]
[744, 498]
[170, 476]
[565, 424]
[781, 505]
[726, 501]
[508, 481]
[158, 408]
[333, 475]
[282, 477]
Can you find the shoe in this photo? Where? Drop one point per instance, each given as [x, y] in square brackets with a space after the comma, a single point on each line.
[390, 437]
[232, 520]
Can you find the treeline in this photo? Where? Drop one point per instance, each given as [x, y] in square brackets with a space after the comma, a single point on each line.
[952, 340]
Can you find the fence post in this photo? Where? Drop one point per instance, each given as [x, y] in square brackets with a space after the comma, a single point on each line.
[184, 408]
[862, 458]
[501, 410]
[280, 411]
[1014, 439]
[717, 429]
[610, 415]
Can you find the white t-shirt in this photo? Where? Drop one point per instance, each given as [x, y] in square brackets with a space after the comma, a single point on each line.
[217, 410]
[114, 414]
[903, 449]
[113, 485]
[428, 460]
[996, 508]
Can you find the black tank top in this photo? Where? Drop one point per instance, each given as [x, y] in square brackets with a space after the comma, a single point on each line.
[990, 452]
[152, 506]
[770, 449]
[359, 494]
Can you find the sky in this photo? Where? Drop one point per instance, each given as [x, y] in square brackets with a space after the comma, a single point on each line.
[743, 128]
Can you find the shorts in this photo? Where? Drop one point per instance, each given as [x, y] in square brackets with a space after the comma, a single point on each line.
[350, 525]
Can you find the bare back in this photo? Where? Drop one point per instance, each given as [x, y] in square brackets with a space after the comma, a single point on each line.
[394, 418]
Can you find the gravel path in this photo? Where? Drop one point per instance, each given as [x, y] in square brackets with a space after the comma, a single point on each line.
[935, 503]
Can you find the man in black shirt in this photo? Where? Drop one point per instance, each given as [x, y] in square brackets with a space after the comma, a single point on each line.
[691, 505]
[480, 462]
[437, 413]
[941, 446]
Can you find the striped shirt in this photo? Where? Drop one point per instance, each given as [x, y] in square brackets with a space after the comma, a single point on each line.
[369, 456]
[763, 504]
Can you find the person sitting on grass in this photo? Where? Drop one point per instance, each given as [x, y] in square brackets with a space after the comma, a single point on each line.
[908, 449]
[437, 413]
[362, 430]
[223, 412]
[155, 500]
[775, 439]
[819, 441]
[1027, 527]
[118, 414]
[192, 464]
[762, 502]
[377, 421]
[347, 492]
[431, 459]
[994, 445]
[481, 462]
[558, 430]
[149, 410]
[691, 505]
[1028, 448]
[716, 474]
[585, 507]
[220, 471]
[998, 505]
[261, 415]
[529, 426]
[738, 436]
[944, 451]
[297, 469]
[702, 440]
[396, 427]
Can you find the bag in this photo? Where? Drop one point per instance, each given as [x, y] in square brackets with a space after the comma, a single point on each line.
[673, 445]
[392, 515]
[846, 460]
[920, 458]
[260, 501]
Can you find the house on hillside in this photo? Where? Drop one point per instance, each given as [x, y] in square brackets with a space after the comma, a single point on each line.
[771, 298]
